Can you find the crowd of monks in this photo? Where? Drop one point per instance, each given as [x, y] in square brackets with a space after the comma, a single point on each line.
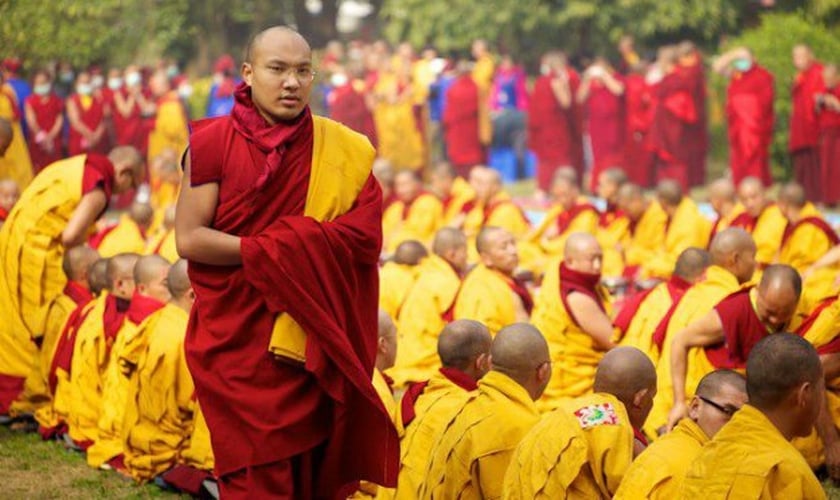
[621, 343]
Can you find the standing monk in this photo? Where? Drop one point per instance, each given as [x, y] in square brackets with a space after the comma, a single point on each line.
[276, 201]
[691, 67]
[86, 114]
[169, 130]
[44, 118]
[601, 94]
[461, 122]
[749, 114]
[55, 212]
[804, 124]
[15, 162]
[829, 117]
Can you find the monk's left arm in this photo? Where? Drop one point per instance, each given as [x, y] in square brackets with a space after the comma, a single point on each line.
[91, 205]
[592, 319]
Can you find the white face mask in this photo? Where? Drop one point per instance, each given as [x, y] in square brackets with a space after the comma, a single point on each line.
[132, 79]
[185, 91]
[84, 89]
[338, 79]
[42, 89]
[114, 83]
[545, 69]
[97, 81]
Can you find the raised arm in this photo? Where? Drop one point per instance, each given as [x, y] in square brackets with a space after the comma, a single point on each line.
[87, 211]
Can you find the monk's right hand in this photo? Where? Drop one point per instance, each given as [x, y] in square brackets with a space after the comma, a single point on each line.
[678, 412]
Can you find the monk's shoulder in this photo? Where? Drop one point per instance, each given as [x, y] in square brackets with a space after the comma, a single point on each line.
[350, 142]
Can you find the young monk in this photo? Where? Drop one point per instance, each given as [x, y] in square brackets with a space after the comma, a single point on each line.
[9, 196]
[128, 235]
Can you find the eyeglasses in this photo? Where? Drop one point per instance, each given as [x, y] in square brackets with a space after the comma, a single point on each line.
[726, 410]
[303, 75]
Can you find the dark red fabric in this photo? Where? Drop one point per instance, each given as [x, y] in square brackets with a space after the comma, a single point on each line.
[47, 110]
[98, 174]
[830, 164]
[742, 330]
[4, 214]
[289, 479]
[818, 222]
[567, 216]
[186, 479]
[806, 325]
[349, 107]
[460, 124]
[10, 389]
[669, 135]
[415, 390]
[113, 318]
[555, 133]
[698, 131]
[676, 288]
[638, 157]
[640, 437]
[749, 113]
[808, 173]
[832, 347]
[521, 290]
[92, 117]
[661, 330]
[141, 307]
[129, 128]
[605, 124]
[804, 123]
[584, 283]
[98, 237]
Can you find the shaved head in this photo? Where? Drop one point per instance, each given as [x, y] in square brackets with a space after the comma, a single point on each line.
[77, 261]
[447, 239]
[410, 253]
[712, 384]
[722, 189]
[566, 174]
[386, 351]
[631, 200]
[669, 192]
[267, 34]
[692, 263]
[778, 296]
[120, 273]
[178, 281]
[734, 250]
[98, 277]
[583, 253]
[9, 194]
[141, 213]
[781, 277]
[752, 195]
[128, 167]
[520, 352]
[629, 375]
[149, 268]
[385, 325]
[793, 194]
[461, 342]
[725, 388]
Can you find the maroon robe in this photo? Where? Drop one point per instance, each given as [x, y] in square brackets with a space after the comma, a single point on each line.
[699, 130]
[47, 110]
[92, 117]
[605, 126]
[749, 114]
[348, 106]
[670, 134]
[638, 157]
[742, 330]
[460, 125]
[805, 131]
[128, 129]
[830, 151]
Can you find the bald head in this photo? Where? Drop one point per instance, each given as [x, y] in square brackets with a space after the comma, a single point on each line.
[385, 325]
[566, 174]
[629, 375]
[781, 278]
[631, 200]
[77, 262]
[9, 194]
[583, 253]
[128, 167]
[410, 253]
[178, 280]
[734, 250]
[386, 350]
[6, 135]
[383, 171]
[793, 195]
[98, 277]
[752, 195]
[722, 191]
[141, 213]
[448, 239]
[669, 192]
[521, 352]
[461, 343]
[712, 384]
[149, 268]
[120, 274]
[270, 35]
[691, 264]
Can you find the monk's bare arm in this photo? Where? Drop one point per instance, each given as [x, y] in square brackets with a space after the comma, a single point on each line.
[75, 121]
[90, 206]
[195, 238]
[592, 319]
[612, 83]
[828, 259]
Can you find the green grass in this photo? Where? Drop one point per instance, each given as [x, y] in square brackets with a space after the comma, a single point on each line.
[32, 468]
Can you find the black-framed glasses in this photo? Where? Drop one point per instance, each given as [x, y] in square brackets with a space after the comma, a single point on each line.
[726, 410]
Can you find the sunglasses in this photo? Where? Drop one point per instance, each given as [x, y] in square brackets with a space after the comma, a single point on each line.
[726, 410]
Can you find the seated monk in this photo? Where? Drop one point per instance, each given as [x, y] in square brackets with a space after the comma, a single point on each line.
[490, 294]
[724, 337]
[752, 454]
[9, 195]
[658, 473]
[150, 295]
[492, 207]
[14, 159]
[724, 201]
[572, 309]
[613, 225]
[733, 264]
[685, 227]
[454, 192]
[762, 219]
[583, 448]
[641, 313]
[36, 390]
[646, 231]
[806, 239]
[420, 212]
[54, 213]
[94, 339]
[429, 306]
[472, 454]
[163, 241]
[464, 348]
[128, 235]
[397, 276]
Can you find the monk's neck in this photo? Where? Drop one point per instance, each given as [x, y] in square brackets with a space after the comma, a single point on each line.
[184, 304]
[780, 418]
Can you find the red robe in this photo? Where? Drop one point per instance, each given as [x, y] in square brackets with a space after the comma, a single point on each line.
[638, 157]
[460, 125]
[605, 125]
[805, 131]
[260, 410]
[742, 330]
[676, 289]
[830, 151]
[749, 113]
[92, 118]
[129, 129]
[348, 106]
[554, 133]
[47, 110]
[699, 130]
[670, 134]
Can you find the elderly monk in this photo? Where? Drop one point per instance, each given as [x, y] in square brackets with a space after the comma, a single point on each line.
[733, 264]
[126, 236]
[804, 124]
[647, 227]
[493, 206]
[490, 293]
[642, 313]
[9, 196]
[76, 263]
[426, 407]
[752, 454]
[429, 306]
[472, 454]
[420, 213]
[270, 273]
[150, 296]
[54, 213]
[762, 219]
[724, 337]
[159, 406]
[397, 276]
[724, 201]
[169, 127]
[454, 192]
[583, 448]
[572, 310]
[685, 227]
[658, 473]
[613, 225]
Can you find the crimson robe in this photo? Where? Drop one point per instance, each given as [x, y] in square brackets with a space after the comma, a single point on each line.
[348, 106]
[698, 132]
[670, 134]
[805, 131]
[460, 125]
[830, 151]
[638, 157]
[605, 126]
[92, 117]
[554, 133]
[742, 330]
[749, 114]
[129, 129]
[47, 111]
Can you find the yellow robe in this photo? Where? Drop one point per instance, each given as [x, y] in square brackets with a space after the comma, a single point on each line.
[749, 458]
[535, 250]
[767, 234]
[170, 129]
[460, 195]
[199, 453]
[486, 296]
[482, 74]
[368, 489]
[687, 228]
[612, 232]
[505, 215]
[470, 458]
[391, 218]
[125, 238]
[574, 356]
[163, 243]
[422, 319]
[18, 164]
[651, 310]
[395, 281]
[420, 223]
[30, 260]
[400, 141]
[658, 473]
[440, 402]
[726, 221]
[647, 237]
[580, 450]
[698, 301]
[806, 245]
[159, 407]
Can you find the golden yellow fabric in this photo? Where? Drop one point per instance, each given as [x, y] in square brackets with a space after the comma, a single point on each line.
[652, 309]
[726, 221]
[647, 237]
[472, 454]
[613, 235]
[487, 297]
[536, 250]
[438, 405]
[767, 233]
[18, 166]
[421, 320]
[659, 471]
[687, 228]
[461, 194]
[395, 282]
[421, 222]
[126, 237]
[164, 242]
[505, 215]
[170, 129]
[30, 259]
[580, 450]
[482, 74]
[806, 244]
[399, 139]
[698, 301]
[199, 453]
[749, 458]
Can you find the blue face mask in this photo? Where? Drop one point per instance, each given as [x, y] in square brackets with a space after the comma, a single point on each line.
[742, 65]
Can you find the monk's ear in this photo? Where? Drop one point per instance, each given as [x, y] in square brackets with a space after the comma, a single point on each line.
[247, 72]
[482, 363]
[804, 395]
[544, 372]
[639, 398]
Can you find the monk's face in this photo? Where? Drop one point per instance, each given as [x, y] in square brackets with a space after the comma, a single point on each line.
[802, 58]
[123, 286]
[406, 187]
[388, 349]
[457, 257]
[484, 184]
[9, 195]
[753, 199]
[607, 189]
[710, 418]
[633, 206]
[500, 252]
[564, 194]
[775, 307]
[127, 176]
[441, 184]
[157, 288]
[280, 75]
[586, 259]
